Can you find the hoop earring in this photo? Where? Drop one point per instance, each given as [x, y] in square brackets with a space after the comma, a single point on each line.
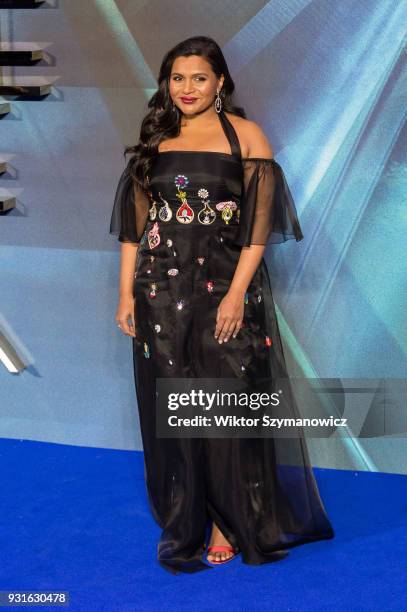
[218, 103]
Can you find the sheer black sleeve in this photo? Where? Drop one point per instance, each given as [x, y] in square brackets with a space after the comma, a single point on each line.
[130, 209]
[268, 214]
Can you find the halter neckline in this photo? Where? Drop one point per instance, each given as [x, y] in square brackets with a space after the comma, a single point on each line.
[230, 134]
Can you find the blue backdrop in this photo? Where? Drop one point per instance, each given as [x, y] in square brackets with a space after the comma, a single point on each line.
[327, 82]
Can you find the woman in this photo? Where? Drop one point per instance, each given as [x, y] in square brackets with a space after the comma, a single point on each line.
[194, 209]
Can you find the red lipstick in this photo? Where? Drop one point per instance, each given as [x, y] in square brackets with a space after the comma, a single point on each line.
[188, 100]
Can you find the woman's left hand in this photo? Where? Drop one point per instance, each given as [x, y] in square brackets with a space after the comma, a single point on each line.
[229, 316]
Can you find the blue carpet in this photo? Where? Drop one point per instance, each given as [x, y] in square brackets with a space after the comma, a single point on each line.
[76, 519]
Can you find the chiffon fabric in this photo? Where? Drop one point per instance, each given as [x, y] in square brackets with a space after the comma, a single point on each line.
[203, 207]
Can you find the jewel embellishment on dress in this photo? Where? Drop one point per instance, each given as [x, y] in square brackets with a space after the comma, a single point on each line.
[184, 214]
[153, 211]
[151, 260]
[259, 298]
[169, 245]
[238, 215]
[246, 298]
[180, 304]
[165, 213]
[227, 209]
[146, 350]
[268, 341]
[154, 238]
[157, 328]
[153, 290]
[209, 286]
[200, 260]
[172, 272]
[206, 215]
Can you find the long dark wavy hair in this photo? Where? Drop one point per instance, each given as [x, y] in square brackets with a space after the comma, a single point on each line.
[163, 121]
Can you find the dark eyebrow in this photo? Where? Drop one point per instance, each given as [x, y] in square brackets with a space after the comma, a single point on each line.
[194, 74]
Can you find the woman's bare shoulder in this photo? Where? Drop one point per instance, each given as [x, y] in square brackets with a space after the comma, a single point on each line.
[253, 140]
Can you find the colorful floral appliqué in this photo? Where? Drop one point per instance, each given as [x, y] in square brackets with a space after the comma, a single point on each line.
[154, 238]
[206, 215]
[153, 290]
[165, 213]
[184, 214]
[153, 211]
[227, 209]
[146, 350]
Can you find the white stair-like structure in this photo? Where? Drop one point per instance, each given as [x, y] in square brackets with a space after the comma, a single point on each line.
[29, 86]
[21, 53]
[22, 87]
[20, 4]
[4, 107]
[7, 201]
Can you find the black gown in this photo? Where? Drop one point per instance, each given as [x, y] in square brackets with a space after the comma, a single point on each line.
[203, 207]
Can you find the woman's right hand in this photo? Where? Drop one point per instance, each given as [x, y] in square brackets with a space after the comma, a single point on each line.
[125, 311]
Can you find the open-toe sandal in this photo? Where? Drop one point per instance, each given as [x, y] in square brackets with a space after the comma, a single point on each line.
[220, 549]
